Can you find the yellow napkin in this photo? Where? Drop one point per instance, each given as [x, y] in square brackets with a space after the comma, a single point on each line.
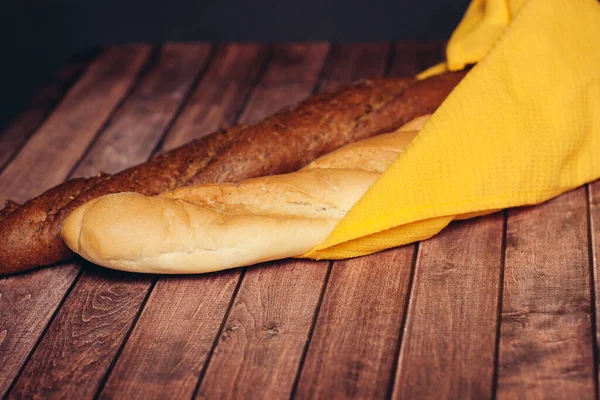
[523, 126]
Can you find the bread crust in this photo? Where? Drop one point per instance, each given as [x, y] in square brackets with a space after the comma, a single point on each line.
[211, 227]
[284, 142]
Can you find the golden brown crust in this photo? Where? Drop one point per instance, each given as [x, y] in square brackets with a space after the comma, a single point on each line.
[205, 228]
[284, 142]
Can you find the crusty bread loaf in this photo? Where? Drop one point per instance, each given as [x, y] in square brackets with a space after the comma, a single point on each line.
[284, 142]
[218, 226]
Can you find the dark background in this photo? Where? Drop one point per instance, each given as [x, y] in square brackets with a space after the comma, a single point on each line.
[38, 36]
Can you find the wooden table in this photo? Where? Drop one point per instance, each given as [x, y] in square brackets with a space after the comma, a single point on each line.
[503, 305]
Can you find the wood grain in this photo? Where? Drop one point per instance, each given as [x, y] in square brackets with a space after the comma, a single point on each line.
[448, 344]
[353, 348]
[28, 301]
[70, 129]
[352, 351]
[82, 340]
[410, 58]
[261, 344]
[261, 347]
[172, 338]
[176, 330]
[594, 216]
[145, 116]
[183, 314]
[546, 347]
[348, 62]
[74, 338]
[141, 122]
[42, 103]
[286, 327]
[296, 62]
[219, 97]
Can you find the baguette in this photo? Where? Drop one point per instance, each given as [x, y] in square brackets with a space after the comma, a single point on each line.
[284, 142]
[219, 226]
[321, 126]
[30, 234]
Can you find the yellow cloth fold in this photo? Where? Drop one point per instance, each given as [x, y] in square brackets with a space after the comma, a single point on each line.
[523, 126]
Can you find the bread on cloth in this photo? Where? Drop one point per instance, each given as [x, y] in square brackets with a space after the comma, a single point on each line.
[213, 227]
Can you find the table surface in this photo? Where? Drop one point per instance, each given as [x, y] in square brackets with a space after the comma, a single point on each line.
[503, 305]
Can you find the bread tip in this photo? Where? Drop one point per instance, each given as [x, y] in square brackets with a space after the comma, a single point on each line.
[73, 225]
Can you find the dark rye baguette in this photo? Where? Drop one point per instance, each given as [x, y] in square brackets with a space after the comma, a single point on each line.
[30, 234]
[290, 139]
[283, 142]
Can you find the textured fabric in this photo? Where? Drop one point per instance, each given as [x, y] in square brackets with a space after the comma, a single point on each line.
[522, 127]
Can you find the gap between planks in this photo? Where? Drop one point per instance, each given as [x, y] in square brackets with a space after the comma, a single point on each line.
[362, 365]
[105, 390]
[159, 307]
[78, 271]
[74, 267]
[176, 138]
[233, 299]
[16, 134]
[120, 71]
[242, 341]
[547, 302]
[593, 219]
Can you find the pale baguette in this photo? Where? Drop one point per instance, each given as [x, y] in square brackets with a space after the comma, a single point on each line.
[213, 227]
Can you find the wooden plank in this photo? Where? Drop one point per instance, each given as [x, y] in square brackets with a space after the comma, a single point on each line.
[594, 226]
[137, 127]
[73, 125]
[167, 348]
[20, 129]
[131, 289]
[261, 345]
[296, 62]
[449, 341]
[261, 348]
[95, 342]
[216, 103]
[410, 58]
[546, 346]
[220, 96]
[235, 366]
[348, 62]
[76, 351]
[138, 370]
[178, 326]
[353, 348]
[27, 301]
